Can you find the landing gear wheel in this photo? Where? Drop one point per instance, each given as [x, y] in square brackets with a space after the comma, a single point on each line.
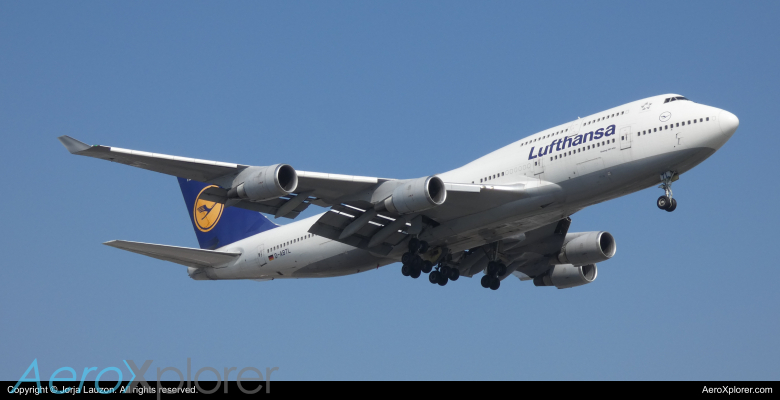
[454, 274]
[415, 273]
[485, 281]
[492, 267]
[501, 271]
[673, 206]
[424, 247]
[442, 280]
[664, 202]
[414, 245]
[406, 258]
[417, 262]
[406, 270]
[427, 266]
[495, 284]
[434, 277]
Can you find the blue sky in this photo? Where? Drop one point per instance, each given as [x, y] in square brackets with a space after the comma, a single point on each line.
[392, 89]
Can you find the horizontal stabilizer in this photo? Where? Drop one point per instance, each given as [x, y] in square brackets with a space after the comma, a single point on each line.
[196, 258]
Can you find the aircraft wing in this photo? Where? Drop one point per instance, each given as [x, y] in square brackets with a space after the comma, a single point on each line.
[196, 258]
[315, 187]
[327, 190]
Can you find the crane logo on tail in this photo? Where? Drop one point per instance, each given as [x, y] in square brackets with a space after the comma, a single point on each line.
[206, 213]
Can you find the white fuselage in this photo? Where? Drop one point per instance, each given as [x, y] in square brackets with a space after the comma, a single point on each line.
[629, 147]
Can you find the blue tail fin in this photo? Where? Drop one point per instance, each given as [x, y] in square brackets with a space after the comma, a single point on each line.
[215, 225]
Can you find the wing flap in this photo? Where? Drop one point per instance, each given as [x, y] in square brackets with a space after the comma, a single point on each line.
[196, 258]
[333, 223]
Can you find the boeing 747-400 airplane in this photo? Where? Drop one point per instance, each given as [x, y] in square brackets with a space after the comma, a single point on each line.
[506, 213]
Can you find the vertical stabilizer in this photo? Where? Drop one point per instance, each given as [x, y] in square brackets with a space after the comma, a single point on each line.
[216, 225]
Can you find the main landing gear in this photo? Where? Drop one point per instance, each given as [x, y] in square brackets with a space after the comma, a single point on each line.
[443, 274]
[414, 265]
[666, 202]
[494, 270]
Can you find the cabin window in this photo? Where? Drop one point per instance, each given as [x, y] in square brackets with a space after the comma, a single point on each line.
[678, 124]
[708, 118]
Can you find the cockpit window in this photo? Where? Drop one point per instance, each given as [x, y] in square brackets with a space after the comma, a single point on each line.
[674, 98]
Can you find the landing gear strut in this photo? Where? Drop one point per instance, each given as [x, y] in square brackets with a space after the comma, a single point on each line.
[666, 202]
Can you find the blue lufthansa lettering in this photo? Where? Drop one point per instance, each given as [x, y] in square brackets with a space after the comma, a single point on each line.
[571, 141]
[585, 137]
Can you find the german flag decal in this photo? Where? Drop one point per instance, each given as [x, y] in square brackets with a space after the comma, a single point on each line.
[271, 257]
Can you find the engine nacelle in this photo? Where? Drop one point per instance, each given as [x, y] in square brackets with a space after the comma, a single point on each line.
[565, 276]
[416, 195]
[265, 183]
[587, 248]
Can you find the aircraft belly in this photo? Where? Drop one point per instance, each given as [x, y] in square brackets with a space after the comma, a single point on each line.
[345, 263]
[618, 180]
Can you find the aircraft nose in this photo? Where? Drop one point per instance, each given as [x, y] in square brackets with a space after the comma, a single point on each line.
[728, 123]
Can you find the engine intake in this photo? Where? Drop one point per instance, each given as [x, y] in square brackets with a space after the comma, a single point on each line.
[416, 195]
[587, 248]
[266, 183]
[566, 276]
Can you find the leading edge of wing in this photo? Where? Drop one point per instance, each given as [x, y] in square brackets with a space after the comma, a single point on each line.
[184, 167]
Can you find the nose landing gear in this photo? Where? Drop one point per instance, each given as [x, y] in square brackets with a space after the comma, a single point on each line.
[666, 202]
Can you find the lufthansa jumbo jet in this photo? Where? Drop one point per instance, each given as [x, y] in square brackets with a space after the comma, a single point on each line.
[506, 213]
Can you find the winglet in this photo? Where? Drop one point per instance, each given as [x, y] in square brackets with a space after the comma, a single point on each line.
[74, 146]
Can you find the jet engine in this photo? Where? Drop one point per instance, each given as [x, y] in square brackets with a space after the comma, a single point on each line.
[565, 276]
[587, 248]
[265, 183]
[416, 195]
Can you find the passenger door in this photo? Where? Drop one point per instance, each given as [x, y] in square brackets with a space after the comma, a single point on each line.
[539, 167]
[625, 137]
[263, 259]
